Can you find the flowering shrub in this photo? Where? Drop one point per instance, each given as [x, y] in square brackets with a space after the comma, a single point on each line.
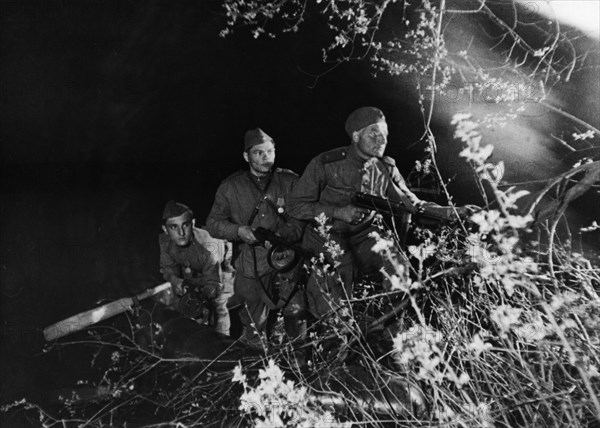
[505, 341]
[492, 336]
[275, 402]
[475, 330]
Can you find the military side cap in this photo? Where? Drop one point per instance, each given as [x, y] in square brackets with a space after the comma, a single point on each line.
[255, 137]
[175, 209]
[362, 117]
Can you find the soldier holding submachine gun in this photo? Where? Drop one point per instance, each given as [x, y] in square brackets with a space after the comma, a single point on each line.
[347, 185]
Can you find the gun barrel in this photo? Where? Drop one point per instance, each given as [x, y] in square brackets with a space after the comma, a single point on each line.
[87, 318]
[365, 200]
[427, 210]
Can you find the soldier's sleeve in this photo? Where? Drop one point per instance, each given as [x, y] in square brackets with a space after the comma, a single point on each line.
[399, 185]
[211, 271]
[295, 230]
[304, 200]
[219, 223]
[212, 258]
[169, 269]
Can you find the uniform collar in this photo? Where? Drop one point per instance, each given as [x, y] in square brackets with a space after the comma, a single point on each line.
[353, 154]
[260, 179]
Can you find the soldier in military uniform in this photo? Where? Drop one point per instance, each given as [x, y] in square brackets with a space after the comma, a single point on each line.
[191, 258]
[244, 201]
[326, 187]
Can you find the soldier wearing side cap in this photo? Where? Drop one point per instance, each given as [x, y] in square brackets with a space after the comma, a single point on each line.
[244, 201]
[326, 187]
[191, 258]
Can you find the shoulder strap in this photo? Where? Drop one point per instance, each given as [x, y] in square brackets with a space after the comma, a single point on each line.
[334, 155]
[263, 196]
[403, 198]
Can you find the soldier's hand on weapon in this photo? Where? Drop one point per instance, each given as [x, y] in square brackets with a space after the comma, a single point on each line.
[467, 210]
[461, 211]
[178, 287]
[210, 291]
[186, 286]
[245, 233]
[351, 214]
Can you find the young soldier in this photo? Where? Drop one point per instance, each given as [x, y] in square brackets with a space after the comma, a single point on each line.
[191, 258]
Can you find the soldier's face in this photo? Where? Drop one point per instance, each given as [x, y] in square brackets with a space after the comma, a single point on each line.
[371, 141]
[261, 157]
[179, 229]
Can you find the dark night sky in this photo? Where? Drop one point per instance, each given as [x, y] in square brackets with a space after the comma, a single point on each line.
[109, 108]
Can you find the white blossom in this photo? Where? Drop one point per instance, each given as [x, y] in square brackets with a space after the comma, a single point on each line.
[478, 345]
[505, 316]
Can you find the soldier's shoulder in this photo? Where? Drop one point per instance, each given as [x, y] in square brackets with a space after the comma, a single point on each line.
[233, 177]
[205, 239]
[388, 161]
[286, 172]
[163, 240]
[201, 234]
[334, 155]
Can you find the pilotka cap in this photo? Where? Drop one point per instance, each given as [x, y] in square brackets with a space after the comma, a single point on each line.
[362, 117]
[175, 209]
[255, 137]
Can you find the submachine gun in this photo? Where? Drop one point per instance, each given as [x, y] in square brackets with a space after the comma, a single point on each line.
[192, 303]
[195, 300]
[282, 255]
[428, 212]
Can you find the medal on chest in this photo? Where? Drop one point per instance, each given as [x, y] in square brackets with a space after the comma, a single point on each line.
[280, 205]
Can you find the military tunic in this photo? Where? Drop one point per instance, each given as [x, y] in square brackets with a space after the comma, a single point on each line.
[328, 182]
[244, 199]
[331, 178]
[200, 262]
[194, 261]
